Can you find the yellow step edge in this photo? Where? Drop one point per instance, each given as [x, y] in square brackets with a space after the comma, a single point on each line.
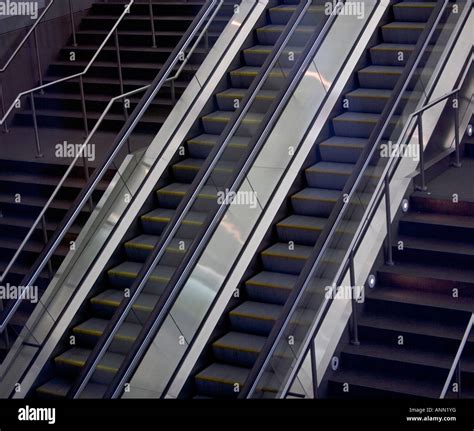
[292, 226]
[166, 192]
[96, 333]
[319, 171]
[251, 316]
[267, 285]
[132, 275]
[216, 380]
[325, 200]
[228, 346]
[283, 256]
[76, 363]
[167, 219]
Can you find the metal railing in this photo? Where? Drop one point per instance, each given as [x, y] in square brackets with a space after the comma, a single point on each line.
[347, 263]
[172, 290]
[207, 12]
[31, 31]
[455, 369]
[17, 102]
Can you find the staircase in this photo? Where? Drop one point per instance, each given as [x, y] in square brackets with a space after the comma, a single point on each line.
[25, 187]
[234, 349]
[60, 105]
[109, 292]
[412, 322]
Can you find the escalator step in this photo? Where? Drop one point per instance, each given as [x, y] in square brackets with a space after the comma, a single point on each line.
[328, 175]
[238, 348]
[270, 287]
[254, 317]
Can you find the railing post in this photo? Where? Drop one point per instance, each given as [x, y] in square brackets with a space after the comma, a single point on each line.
[314, 370]
[152, 22]
[388, 219]
[45, 240]
[83, 103]
[119, 65]
[173, 91]
[422, 186]
[458, 377]
[457, 156]
[35, 127]
[354, 322]
[73, 27]
[2, 104]
[38, 59]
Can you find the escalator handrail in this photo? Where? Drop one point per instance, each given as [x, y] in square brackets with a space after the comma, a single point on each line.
[185, 268]
[170, 293]
[121, 138]
[8, 312]
[325, 237]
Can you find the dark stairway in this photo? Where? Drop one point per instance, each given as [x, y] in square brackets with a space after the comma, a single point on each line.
[426, 298]
[225, 364]
[109, 290]
[25, 187]
[24, 190]
[60, 105]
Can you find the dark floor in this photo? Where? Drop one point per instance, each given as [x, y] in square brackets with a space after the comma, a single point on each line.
[449, 182]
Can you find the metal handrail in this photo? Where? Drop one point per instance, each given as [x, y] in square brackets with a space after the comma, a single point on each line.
[186, 266]
[76, 75]
[156, 254]
[26, 37]
[79, 75]
[94, 180]
[324, 239]
[456, 366]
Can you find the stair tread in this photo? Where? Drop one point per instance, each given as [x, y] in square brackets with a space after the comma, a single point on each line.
[179, 189]
[281, 250]
[113, 298]
[406, 354]
[345, 142]
[254, 71]
[422, 298]
[59, 387]
[77, 357]
[240, 341]
[211, 140]
[370, 93]
[196, 164]
[164, 215]
[362, 117]
[296, 221]
[331, 168]
[312, 193]
[148, 242]
[412, 325]
[131, 269]
[96, 327]
[439, 219]
[257, 310]
[273, 280]
[449, 273]
[387, 382]
[280, 27]
[223, 373]
[382, 70]
[404, 25]
[394, 47]
[437, 244]
[225, 116]
[239, 93]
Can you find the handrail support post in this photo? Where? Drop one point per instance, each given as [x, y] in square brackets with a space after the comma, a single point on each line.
[422, 187]
[39, 155]
[314, 370]
[354, 321]
[457, 143]
[388, 219]
[152, 23]
[2, 104]
[73, 26]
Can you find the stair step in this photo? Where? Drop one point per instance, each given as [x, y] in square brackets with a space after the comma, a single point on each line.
[379, 77]
[237, 348]
[300, 229]
[141, 246]
[255, 318]
[201, 146]
[221, 380]
[328, 175]
[270, 287]
[413, 11]
[340, 149]
[315, 202]
[402, 31]
[155, 221]
[280, 258]
[59, 387]
[388, 54]
[122, 276]
[360, 124]
[171, 195]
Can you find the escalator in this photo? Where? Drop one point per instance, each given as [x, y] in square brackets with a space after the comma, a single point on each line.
[425, 299]
[106, 296]
[243, 330]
